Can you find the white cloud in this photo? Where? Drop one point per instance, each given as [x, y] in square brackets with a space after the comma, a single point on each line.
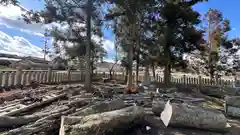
[10, 16]
[18, 46]
[108, 45]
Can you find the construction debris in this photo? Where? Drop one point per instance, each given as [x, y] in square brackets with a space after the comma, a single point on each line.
[69, 110]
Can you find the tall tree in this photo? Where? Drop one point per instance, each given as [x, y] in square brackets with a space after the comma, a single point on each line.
[216, 28]
[127, 12]
[76, 13]
[172, 25]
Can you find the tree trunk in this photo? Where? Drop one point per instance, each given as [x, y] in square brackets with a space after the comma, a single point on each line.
[126, 76]
[138, 53]
[92, 68]
[137, 68]
[167, 53]
[110, 71]
[130, 52]
[110, 74]
[88, 83]
[167, 69]
[130, 61]
[153, 71]
[105, 122]
[181, 115]
[147, 78]
[82, 67]
[167, 73]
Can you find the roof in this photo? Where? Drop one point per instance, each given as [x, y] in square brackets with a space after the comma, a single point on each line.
[10, 59]
[36, 60]
[106, 66]
[30, 63]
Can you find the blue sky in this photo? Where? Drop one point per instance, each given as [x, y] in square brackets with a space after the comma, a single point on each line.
[30, 36]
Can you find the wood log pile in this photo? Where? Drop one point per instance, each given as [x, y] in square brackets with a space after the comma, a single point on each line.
[69, 110]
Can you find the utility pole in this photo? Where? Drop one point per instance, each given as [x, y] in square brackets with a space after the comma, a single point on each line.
[45, 49]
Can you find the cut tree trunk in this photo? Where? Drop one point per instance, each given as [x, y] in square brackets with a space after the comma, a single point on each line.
[44, 125]
[158, 106]
[158, 128]
[213, 91]
[6, 121]
[232, 106]
[103, 122]
[180, 115]
[101, 107]
[153, 71]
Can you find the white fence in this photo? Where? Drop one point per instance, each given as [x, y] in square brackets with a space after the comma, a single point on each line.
[16, 78]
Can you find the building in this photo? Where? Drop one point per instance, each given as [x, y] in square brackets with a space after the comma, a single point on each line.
[31, 63]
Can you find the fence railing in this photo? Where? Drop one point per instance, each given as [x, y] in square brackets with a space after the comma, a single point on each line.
[17, 78]
[184, 79]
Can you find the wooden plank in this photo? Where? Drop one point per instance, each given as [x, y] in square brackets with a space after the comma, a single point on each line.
[34, 105]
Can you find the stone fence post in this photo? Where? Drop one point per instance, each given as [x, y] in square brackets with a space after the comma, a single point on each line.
[18, 77]
[68, 75]
[49, 75]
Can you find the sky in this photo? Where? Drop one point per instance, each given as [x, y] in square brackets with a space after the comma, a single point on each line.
[17, 37]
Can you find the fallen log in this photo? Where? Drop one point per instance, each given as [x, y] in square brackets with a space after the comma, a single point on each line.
[213, 91]
[233, 101]
[158, 128]
[182, 115]
[43, 125]
[8, 121]
[102, 123]
[232, 106]
[158, 106]
[101, 107]
[80, 102]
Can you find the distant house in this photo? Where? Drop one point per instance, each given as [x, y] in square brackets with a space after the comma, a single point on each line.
[4, 61]
[31, 63]
[106, 66]
[59, 63]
